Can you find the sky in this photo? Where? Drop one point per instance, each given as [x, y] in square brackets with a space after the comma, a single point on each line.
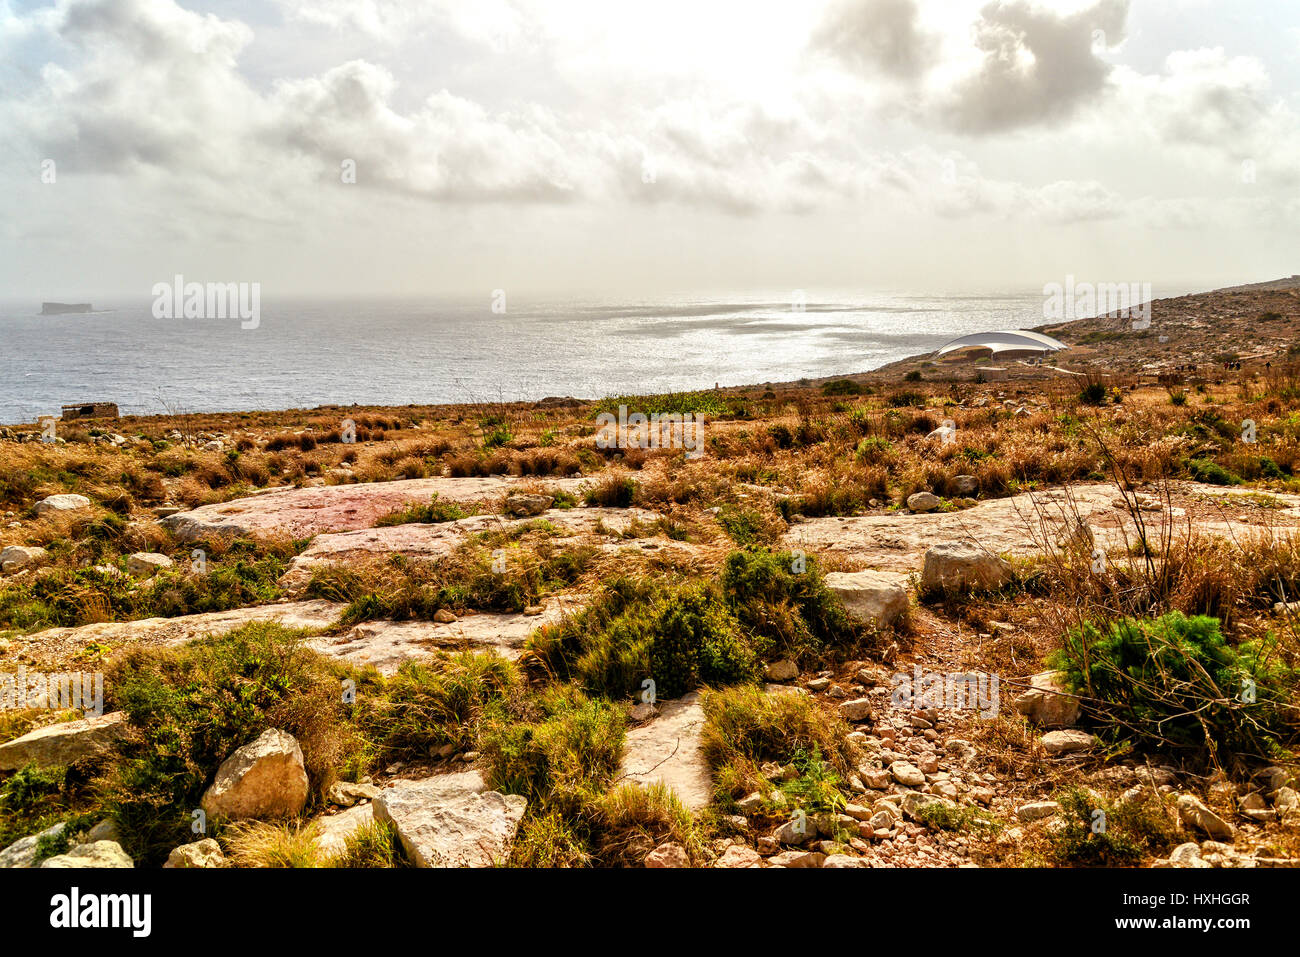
[600, 148]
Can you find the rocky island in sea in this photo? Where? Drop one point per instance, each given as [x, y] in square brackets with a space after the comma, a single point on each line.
[64, 308]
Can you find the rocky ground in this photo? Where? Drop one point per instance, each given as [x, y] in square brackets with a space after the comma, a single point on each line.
[950, 559]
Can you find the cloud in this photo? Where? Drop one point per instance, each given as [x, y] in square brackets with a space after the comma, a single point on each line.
[1038, 67]
[877, 37]
[450, 149]
[187, 127]
[1205, 97]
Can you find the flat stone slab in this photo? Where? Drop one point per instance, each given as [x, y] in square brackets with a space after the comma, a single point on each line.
[333, 830]
[303, 512]
[1031, 523]
[60, 644]
[65, 743]
[441, 539]
[452, 820]
[22, 852]
[667, 750]
[385, 645]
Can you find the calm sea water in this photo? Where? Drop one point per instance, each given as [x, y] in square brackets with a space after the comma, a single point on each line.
[304, 354]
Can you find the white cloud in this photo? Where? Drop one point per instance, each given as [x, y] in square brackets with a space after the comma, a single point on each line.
[166, 121]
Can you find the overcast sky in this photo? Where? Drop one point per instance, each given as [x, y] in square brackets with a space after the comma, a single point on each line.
[604, 147]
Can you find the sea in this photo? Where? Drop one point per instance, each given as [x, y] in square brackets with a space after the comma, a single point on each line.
[304, 353]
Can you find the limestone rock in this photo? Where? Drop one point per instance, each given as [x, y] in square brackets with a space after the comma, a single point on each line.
[526, 505]
[263, 779]
[452, 820]
[1194, 814]
[99, 854]
[1037, 810]
[105, 830]
[1067, 742]
[65, 743]
[55, 644]
[387, 645]
[841, 861]
[923, 502]
[204, 853]
[22, 852]
[1046, 702]
[797, 859]
[799, 831]
[304, 512]
[668, 750]
[333, 830]
[739, 856]
[17, 557]
[146, 564]
[878, 599]
[1185, 854]
[668, 855]
[61, 503]
[346, 793]
[915, 803]
[907, 774]
[963, 566]
[781, 671]
[859, 709]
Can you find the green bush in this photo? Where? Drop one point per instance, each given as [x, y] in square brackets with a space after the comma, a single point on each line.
[1211, 473]
[841, 387]
[697, 639]
[190, 708]
[676, 633]
[1175, 682]
[431, 514]
[446, 702]
[564, 759]
[1121, 835]
[745, 727]
[744, 526]
[785, 610]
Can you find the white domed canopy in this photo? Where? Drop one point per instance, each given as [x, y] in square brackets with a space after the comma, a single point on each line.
[1009, 343]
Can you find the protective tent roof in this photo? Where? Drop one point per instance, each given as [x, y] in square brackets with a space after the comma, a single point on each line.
[1012, 340]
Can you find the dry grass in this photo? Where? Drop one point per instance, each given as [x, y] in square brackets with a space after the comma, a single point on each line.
[268, 844]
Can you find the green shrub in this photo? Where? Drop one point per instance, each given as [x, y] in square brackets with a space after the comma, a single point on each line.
[445, 702]
[874, 450]
[745, 526]
[431, 514]
[696, 639]
[564, 759]
[841, 387]
[1174, 682]
[784, 609]
[1098, 833]
[190, 708]
[745, 727]
[1211, 473]
[676, 633]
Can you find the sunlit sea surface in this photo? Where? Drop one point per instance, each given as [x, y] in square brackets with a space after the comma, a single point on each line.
[308, 353]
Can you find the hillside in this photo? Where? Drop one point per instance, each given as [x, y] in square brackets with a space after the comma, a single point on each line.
[880, 621]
